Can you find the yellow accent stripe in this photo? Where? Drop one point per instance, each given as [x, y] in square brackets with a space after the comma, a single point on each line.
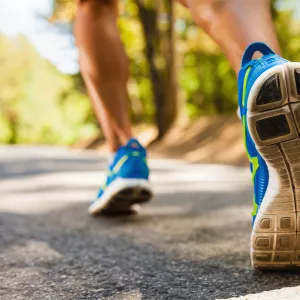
[255, 166]
[119, 164]
[245, 86]
[253, 160]
[255, 207]
[104, 187]
[245, 131]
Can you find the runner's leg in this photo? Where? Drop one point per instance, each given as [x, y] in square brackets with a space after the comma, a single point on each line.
[234, 24]
[104, 66]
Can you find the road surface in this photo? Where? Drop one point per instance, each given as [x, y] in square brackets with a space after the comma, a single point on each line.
[191, 242]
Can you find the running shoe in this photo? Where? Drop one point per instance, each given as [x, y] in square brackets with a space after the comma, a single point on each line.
[269, 103]
[127, 182]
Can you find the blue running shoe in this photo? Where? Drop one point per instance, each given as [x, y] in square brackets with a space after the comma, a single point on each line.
[269, 103]
[127, 181]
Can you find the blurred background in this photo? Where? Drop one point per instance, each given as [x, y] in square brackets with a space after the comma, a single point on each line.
[43, 99]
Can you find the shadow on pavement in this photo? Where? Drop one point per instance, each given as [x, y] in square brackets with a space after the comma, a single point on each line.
[183, 246]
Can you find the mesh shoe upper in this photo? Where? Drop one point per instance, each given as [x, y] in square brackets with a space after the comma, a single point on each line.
[130, 162]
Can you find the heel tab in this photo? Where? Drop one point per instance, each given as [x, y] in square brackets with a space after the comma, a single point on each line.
[255, 47]
[134, 144]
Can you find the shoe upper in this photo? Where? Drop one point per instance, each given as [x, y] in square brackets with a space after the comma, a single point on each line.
[130, 162]
[250, 71]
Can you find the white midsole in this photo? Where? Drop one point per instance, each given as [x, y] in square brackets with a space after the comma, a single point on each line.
[274, 181]
[114, 188]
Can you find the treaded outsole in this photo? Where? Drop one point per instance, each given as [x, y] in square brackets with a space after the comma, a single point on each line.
[122, 197]
[274, 124]
[125, 200]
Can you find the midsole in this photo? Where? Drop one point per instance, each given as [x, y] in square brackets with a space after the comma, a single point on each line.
[115, 187]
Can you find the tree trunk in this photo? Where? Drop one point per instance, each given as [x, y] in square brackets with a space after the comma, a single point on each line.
[160, 48]
[171, 102]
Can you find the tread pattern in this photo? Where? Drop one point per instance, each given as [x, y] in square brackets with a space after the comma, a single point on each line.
[274, 124]
[125, 199]
[272, 127]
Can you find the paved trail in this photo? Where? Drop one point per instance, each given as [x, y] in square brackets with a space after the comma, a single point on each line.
[191, 242]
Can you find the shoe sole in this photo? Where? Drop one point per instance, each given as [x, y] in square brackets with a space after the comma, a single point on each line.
[121, 197]
[274, 124]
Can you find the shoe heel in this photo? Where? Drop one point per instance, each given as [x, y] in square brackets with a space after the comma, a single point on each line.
[275, 128]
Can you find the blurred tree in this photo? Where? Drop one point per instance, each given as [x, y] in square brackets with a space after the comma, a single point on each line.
[160, 44]
[151, 34]
[159, 49]
[39, 104]
[63, 11]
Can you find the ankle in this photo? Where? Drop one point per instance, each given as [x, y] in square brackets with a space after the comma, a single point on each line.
[125, 136]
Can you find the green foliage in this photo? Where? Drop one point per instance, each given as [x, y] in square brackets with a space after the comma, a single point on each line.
[38, 104]
[139, 87]
[288, 31]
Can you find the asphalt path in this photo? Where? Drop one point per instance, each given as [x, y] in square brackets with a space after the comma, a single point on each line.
[191, 242]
